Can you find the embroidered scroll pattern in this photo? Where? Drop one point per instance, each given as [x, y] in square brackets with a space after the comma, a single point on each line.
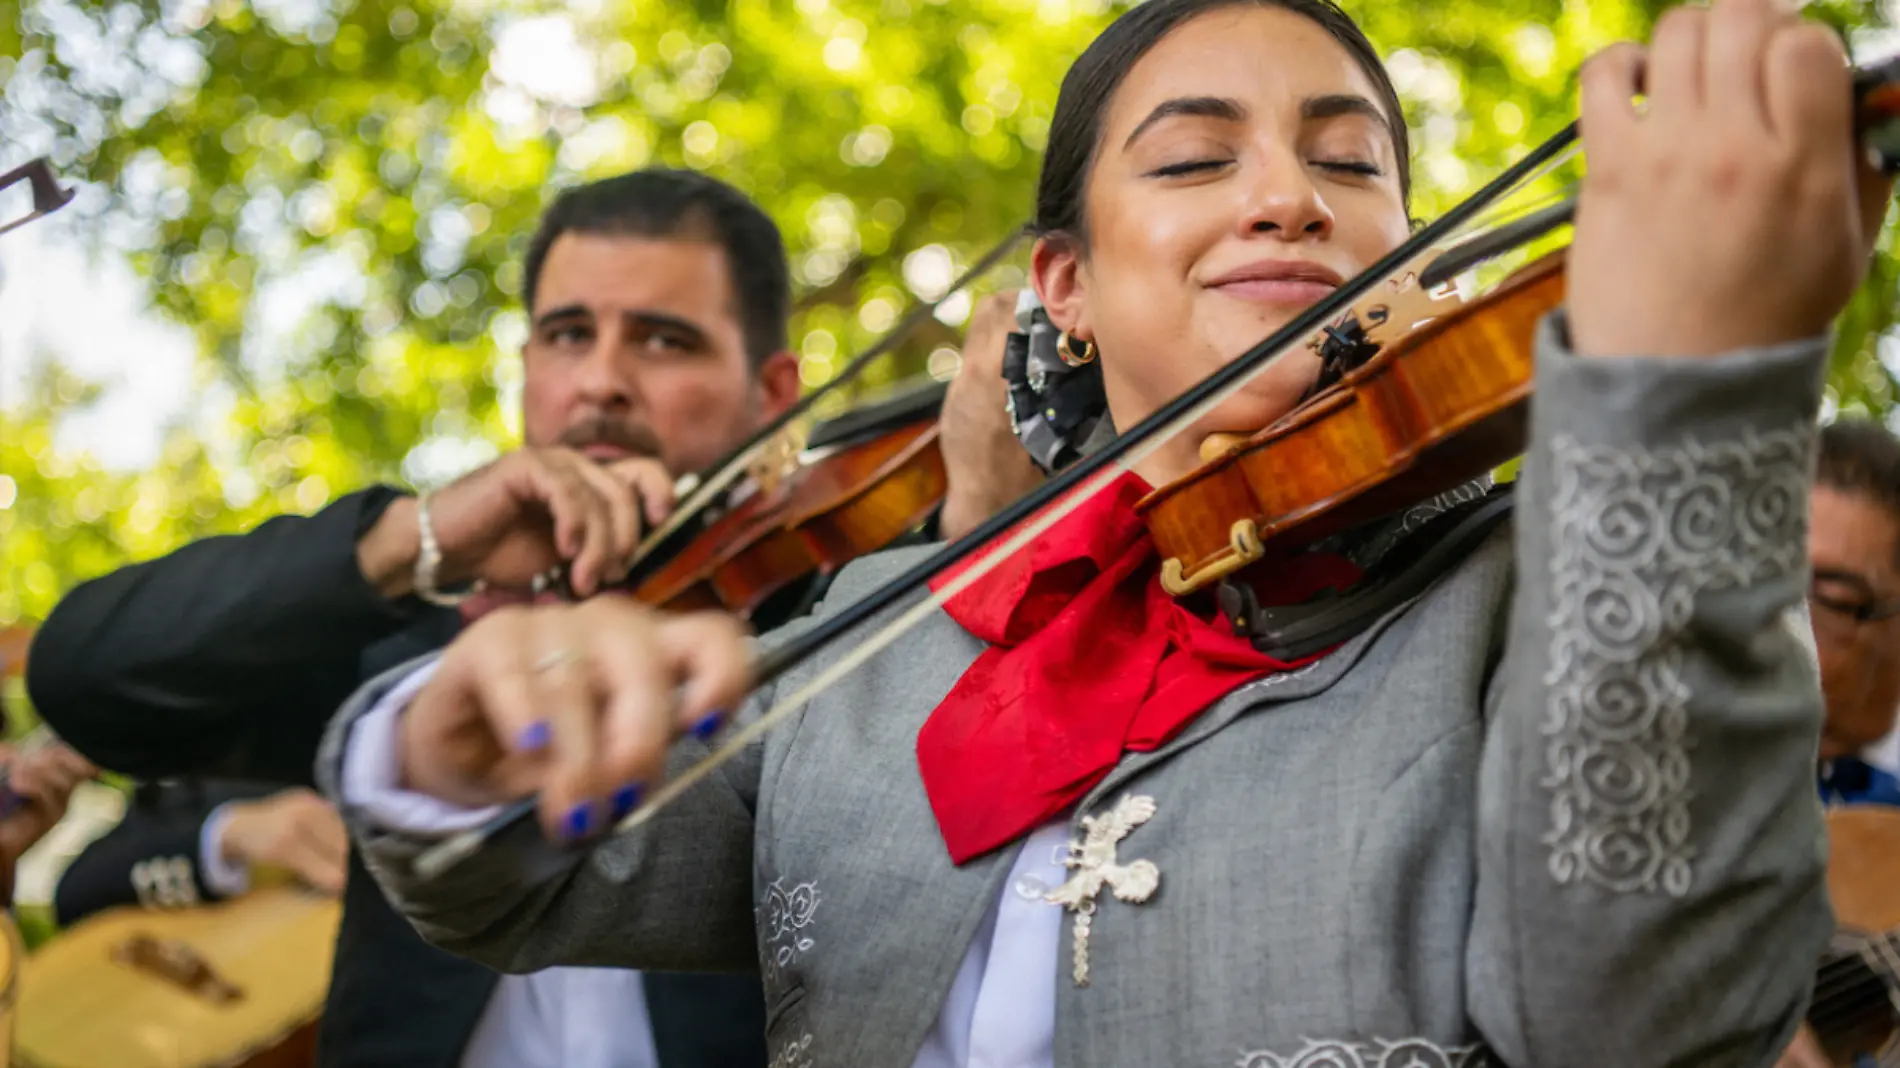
[1335, 1053]
[1638, 535]
[794, 1054]
[786, 914]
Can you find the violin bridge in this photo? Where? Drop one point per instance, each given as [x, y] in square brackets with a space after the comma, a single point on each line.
[776, 459]
[1398, 305]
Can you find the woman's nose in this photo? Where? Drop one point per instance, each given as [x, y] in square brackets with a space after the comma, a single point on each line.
[1284, 201]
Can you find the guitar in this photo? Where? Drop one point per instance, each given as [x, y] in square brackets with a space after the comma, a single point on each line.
[237, 984]
[234, 984]
[1855, 1011]
[13, 646]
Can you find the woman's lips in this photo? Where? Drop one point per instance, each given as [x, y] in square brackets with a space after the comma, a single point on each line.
[1291, 292]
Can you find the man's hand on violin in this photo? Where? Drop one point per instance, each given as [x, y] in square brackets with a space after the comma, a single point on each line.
[987, 467]
[577, 701]
[1731, 208]
[521, 516]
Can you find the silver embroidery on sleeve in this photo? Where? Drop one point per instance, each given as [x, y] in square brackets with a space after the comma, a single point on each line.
[785, 914]
[1637, 535]
[1335, 1053]
[794, 1054]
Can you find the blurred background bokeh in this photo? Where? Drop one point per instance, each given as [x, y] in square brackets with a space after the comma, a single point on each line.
[293, 267]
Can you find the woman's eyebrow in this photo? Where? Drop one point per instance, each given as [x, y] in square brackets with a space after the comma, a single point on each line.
[1212, 107]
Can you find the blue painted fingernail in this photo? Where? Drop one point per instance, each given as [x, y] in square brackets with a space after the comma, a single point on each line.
[534, 737]
[580, 819]
[625, 799]
[709, 726]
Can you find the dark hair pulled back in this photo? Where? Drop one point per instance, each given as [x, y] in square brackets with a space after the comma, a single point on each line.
[1091, 83]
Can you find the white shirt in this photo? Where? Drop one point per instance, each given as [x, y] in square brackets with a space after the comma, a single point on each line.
[555, 1018]
[1001, 1009]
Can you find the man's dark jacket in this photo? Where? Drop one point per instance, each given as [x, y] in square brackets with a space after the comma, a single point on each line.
[224, 660]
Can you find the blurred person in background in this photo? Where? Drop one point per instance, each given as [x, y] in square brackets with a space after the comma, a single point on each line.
[185, 843]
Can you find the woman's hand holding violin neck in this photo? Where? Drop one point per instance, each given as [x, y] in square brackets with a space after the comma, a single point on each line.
[576, 701]
[1731, 208]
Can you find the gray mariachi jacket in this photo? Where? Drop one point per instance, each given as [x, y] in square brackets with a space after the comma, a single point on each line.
[1561, 807]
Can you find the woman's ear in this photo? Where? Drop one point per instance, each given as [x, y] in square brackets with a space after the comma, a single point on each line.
[1055, 269]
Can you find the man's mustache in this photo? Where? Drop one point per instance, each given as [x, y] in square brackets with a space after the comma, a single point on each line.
[634, 438]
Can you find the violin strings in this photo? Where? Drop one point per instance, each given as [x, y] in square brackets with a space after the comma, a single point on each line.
[1502, 229]
[1504, 216]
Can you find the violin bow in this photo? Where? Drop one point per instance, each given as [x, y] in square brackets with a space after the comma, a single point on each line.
[704, 490]
[1877, 91]
[48, 197]
[1032, 515]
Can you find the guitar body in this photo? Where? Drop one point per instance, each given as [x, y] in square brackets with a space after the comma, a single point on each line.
[1854, 1009]
[12, 950]
[239, 984]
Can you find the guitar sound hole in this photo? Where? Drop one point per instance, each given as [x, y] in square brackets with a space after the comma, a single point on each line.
[178, 964]
[1851, 1013]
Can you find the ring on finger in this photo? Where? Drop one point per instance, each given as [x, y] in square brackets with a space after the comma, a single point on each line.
[555, 659]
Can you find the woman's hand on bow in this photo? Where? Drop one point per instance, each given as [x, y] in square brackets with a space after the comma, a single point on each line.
[576, 701]
[1732, 208]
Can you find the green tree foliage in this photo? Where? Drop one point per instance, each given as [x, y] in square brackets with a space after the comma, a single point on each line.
[386, 159]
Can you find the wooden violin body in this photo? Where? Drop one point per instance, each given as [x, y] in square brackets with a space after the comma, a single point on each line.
[1437, 407]
[865, 481]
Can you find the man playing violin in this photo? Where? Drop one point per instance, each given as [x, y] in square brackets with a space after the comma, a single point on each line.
[1556, 809]
[658, 303]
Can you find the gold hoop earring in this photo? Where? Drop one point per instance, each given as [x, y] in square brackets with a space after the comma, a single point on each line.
[1065, 349]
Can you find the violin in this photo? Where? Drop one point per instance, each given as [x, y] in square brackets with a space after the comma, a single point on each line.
[1441, 405]
[1444, 401]
[1426, 393]
[861, 482]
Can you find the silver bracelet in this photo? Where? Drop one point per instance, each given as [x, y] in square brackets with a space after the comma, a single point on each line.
[429, 559]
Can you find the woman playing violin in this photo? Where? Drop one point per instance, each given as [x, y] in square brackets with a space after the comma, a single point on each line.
[1555, 810]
